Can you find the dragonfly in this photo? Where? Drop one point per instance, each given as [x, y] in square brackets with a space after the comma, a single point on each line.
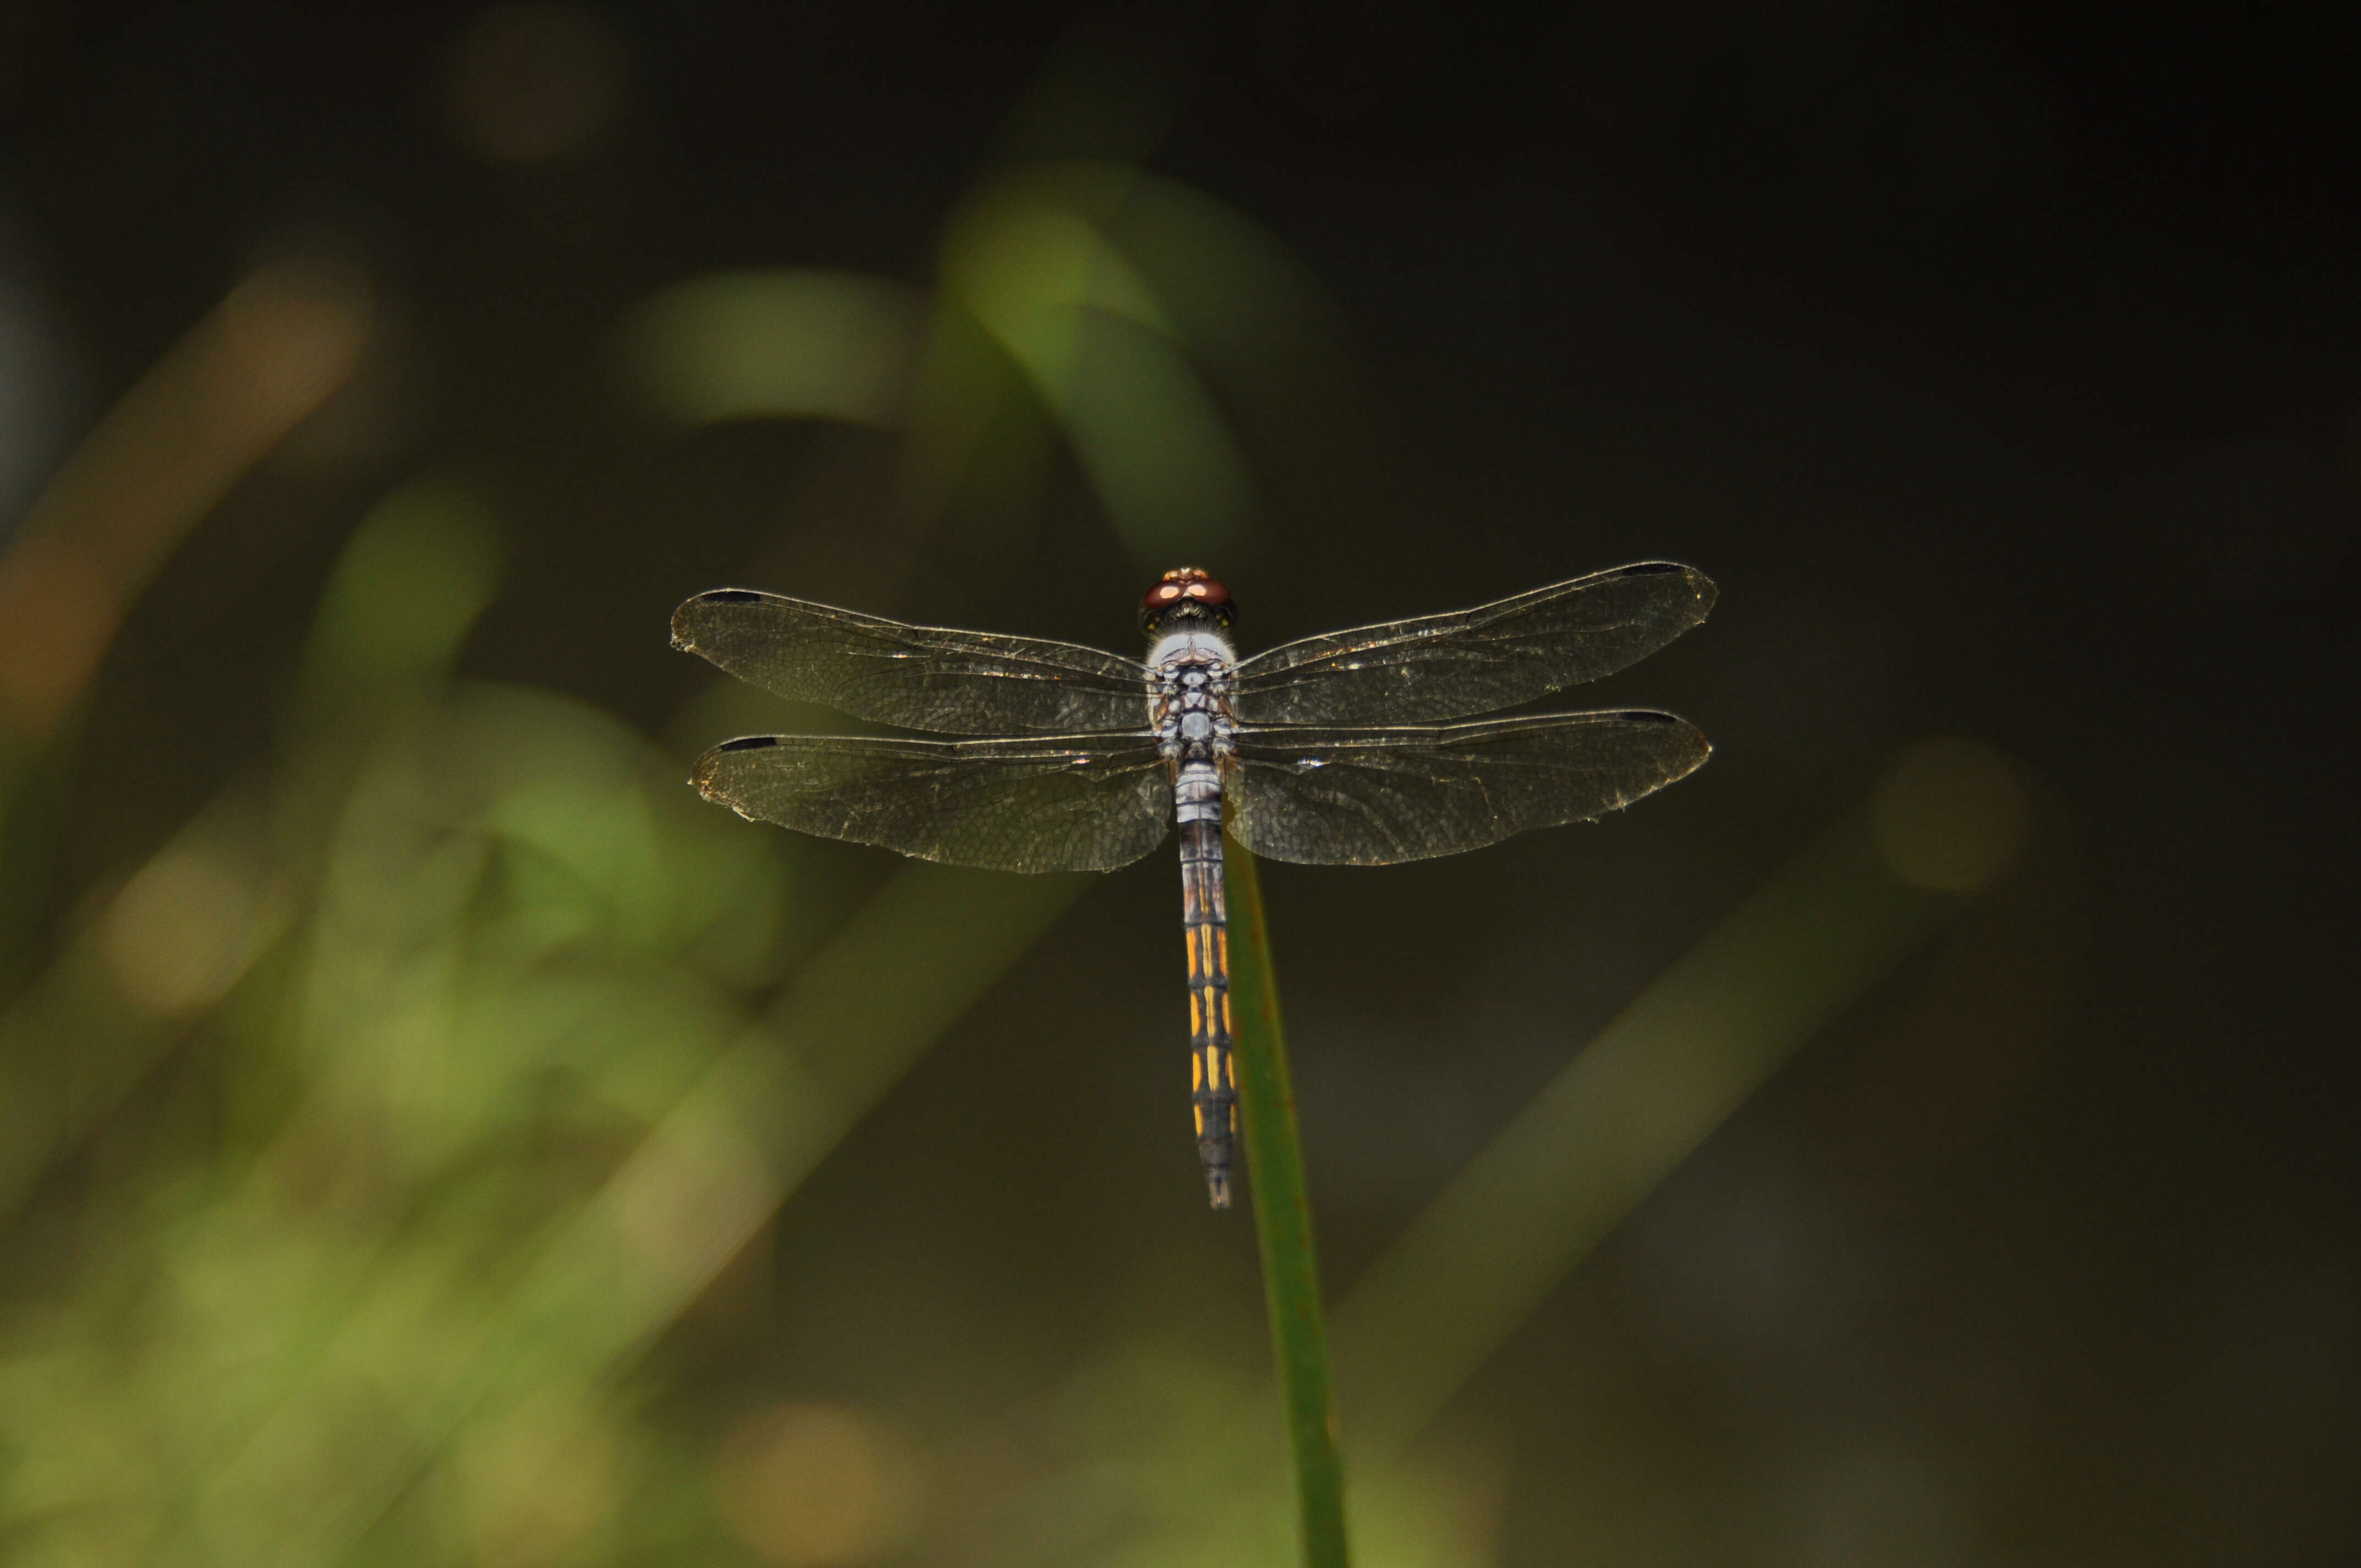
[1330, 751]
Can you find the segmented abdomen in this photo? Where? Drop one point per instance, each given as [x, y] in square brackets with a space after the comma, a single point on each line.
[1212, 1085]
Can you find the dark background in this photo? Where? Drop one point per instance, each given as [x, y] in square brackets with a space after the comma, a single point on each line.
[1999, 363]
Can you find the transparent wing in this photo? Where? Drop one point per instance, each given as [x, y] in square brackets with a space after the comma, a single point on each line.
[1056, 803]
[1475, 661]
[1371, 798]
[923, 677]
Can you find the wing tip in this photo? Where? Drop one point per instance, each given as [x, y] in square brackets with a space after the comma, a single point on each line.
[682, 631]
[701, 774]
[1701, 586]
[1701, 746]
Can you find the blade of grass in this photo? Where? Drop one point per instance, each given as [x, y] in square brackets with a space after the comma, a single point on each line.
[1282, 1205]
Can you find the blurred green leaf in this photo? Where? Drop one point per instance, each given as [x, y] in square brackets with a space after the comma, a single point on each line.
[796, 343]
[418, 571]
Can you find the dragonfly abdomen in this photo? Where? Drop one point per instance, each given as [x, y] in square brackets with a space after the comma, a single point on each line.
[1213, 1081]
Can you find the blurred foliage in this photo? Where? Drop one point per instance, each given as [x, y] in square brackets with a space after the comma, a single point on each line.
[422, 1083]
[426, 1077]
[411, 1034]
[429, 1135]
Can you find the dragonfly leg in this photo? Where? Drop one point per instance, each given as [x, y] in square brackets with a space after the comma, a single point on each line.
[1213, 1090]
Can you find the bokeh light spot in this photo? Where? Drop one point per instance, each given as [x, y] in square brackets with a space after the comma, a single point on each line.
[179, 935]
[539, 1483]
[530, 84]
[1950, 814]
[806, 1484]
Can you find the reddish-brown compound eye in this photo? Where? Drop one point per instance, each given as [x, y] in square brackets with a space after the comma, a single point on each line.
[1189, 590]
[1160, 597]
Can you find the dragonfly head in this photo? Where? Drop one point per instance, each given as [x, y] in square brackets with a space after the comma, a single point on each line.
[1183, 597]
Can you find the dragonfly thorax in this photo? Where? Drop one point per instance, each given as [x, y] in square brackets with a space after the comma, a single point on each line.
[1190, 710]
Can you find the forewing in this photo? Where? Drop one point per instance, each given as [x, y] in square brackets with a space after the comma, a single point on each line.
[1066, 802]
[1371, 797]
[922, 677]
[1476, 661]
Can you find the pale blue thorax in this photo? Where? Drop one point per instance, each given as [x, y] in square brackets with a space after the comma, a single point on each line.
[1191, 713]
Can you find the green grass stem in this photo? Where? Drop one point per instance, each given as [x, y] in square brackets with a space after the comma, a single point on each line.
[1282, 1205]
